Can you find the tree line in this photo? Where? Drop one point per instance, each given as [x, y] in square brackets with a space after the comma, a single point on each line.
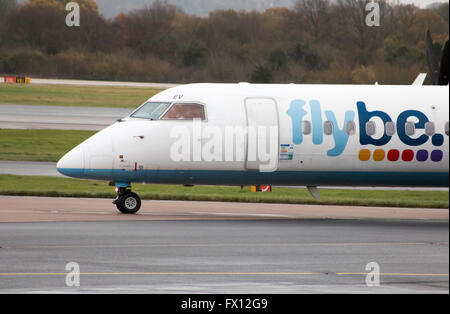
[317, 42]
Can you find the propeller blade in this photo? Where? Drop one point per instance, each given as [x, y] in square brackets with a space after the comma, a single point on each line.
[433, 64]
[443, 72]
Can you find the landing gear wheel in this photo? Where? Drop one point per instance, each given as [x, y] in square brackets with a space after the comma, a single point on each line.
[128, 203]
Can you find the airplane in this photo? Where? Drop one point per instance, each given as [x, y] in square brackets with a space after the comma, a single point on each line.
[276, 134]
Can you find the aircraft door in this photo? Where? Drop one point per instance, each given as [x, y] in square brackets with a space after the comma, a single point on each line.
[262, 135]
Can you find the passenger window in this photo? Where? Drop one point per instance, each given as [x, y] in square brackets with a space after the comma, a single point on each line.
[185, 112]
[328, 127]
[390, 128]
[350, 128]
[430, 128]
[410, 128]
[307, 127]
[447, 126]
[371, 128]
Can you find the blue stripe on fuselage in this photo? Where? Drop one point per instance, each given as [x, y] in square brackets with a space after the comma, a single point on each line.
[215, 177]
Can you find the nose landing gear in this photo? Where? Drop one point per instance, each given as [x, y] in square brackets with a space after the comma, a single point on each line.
[126, 201]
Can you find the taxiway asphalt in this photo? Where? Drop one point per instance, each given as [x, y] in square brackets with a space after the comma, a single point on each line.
[206, 247]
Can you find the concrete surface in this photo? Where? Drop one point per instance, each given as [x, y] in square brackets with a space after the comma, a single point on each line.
[226, 256]
[59, 118]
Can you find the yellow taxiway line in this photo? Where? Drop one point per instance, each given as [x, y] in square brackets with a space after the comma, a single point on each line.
[220, 274]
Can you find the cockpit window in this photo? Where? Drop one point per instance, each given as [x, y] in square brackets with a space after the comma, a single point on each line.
[151, 110]
[185, 112]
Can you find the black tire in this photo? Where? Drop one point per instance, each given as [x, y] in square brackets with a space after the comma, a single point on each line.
[129, 203]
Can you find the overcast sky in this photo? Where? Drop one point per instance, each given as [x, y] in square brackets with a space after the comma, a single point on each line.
[111, 8]
[422, 3]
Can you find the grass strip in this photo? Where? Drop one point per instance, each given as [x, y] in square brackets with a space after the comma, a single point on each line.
[39, 145]
[62, 187]
[74, 96]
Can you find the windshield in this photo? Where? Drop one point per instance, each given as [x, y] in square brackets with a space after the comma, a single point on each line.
[151, 110]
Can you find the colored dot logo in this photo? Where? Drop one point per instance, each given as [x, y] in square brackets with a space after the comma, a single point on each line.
[407, 155]
[422, 155]
[437, 155]
[393, 155]
[364, 155]
[379, 155]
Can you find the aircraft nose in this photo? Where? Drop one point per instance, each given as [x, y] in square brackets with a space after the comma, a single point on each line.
[72, 164]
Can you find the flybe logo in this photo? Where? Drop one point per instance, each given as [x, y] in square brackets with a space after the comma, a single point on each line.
[299, 109]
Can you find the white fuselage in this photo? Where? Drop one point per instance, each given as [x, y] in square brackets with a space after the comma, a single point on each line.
[279, 134]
